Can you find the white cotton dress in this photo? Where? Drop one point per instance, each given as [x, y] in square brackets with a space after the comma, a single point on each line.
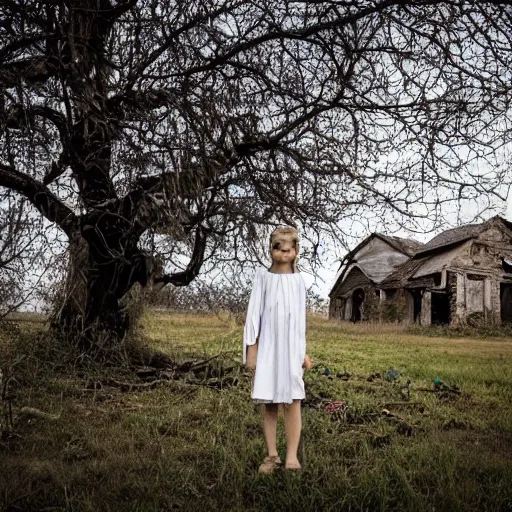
[277, 312]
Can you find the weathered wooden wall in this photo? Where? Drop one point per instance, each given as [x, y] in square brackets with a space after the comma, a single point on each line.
[353, 280]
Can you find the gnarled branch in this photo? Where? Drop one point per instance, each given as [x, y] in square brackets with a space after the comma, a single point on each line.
[44, 200]
[187, 276]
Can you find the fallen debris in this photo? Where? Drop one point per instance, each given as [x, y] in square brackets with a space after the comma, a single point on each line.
[30, 413]
[439, 385]
[330, 408]
[443, 390]
[210, 372]
[390, 414]
[392, 375]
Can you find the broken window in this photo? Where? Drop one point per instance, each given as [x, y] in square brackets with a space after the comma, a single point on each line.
[478, 249]
[390, 294]
[507, 265]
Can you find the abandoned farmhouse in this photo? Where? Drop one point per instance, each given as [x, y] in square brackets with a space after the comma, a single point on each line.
[461, 275]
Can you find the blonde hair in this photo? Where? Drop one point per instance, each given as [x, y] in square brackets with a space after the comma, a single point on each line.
[286, 234]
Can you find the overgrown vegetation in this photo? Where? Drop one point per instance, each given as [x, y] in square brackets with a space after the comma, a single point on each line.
[81, 442]
[462, 330]
[391, 310]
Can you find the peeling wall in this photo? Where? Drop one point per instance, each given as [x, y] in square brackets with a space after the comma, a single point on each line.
[495, 308]
[460, 298]
[451, 284]
[348, 308]
[474, 295]
[452, 257]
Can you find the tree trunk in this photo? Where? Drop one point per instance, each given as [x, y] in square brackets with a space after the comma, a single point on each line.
[69, 304]
[90, 311]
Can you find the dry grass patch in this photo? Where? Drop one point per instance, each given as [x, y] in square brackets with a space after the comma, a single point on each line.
[188, 447]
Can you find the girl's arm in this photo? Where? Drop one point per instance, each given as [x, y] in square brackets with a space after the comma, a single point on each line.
[308, 363]
[252, 354]
[253, 318]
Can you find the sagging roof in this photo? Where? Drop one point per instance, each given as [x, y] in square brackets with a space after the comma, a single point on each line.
[405, 246]
[457, 235]
[451, 237]
[399, 278]
[404, 275]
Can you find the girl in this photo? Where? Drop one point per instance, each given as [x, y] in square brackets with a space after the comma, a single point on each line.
[274, 345]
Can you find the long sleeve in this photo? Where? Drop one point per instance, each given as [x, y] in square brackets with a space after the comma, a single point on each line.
[302, 318]
[254, 312]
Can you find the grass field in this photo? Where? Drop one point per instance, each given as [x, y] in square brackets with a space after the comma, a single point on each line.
[182, 445]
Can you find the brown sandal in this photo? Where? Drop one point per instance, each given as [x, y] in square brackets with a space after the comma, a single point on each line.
[270, 464]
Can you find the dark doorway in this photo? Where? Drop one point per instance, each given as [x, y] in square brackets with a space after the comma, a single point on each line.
[506, 302]
[440, 308]
[357, 305]
[416, 302]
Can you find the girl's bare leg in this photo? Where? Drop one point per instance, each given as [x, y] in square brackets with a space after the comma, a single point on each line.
[292, 426]
[270, 416]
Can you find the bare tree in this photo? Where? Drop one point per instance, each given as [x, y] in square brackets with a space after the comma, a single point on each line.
[20, 252]
[142, 127]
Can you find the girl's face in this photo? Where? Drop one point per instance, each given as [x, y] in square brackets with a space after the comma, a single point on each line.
[283, 251]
